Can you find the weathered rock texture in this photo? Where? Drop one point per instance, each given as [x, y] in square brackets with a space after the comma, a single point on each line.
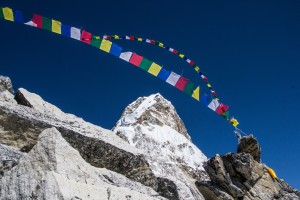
[240, 176]
[5, 84]
[249, 144]
[54, 170]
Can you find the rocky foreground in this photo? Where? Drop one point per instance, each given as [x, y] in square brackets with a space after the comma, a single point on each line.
[48, 154]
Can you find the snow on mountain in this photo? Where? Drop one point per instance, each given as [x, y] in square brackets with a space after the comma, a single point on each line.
[152, 125]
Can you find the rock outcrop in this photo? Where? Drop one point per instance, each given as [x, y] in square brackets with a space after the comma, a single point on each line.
[54, 170]
[48, 154]
[241, 176]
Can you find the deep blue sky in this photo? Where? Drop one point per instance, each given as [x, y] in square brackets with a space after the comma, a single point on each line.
[249, 50]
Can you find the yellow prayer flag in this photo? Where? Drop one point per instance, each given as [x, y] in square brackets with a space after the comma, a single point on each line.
[154, 69]
[197, 69]
[105, 45]
[97, 37]
[56, 26]
[140, 39]
[8, 14]
[117, 37]
[196, 93]
[208, 85]
[160, 44]
[181, 55]
[234, 122]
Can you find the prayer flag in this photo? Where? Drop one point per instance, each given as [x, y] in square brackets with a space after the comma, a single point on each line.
[154, 69]
[145, 64]
[75, 33]
[163, 74]
[204, 99]
[56, 26]
[181, 55]
[226, 115]
[126, 56]
[18, 16]
[196, 93]
[96, 41]
[173, 78]
[66, 30]
[31, 23]
[86, 37]
[1, 13]
[115, 50]
[234, 122]
[38, 20]
[181, 83]
[8, 14]
[47, 24]
[222, 108]
[105, 45]
[214, 104]
[136, 59]
[189, 88]
[197, 69]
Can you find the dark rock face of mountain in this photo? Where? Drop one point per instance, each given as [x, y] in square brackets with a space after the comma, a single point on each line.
[48, 154]
[241, 176]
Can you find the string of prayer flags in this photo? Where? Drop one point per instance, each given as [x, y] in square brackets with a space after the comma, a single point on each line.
[170, 49]
[181, 83]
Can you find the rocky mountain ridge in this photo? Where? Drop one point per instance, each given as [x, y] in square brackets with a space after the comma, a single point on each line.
[48, 154]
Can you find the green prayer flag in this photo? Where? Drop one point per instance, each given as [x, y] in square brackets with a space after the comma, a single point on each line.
[145, 64]
[226, 115]
[47, 24]
[96, 42]
[189, 88]
[1, 13]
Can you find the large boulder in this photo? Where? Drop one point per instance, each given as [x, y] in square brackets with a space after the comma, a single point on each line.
[248, 144]
[55, 170]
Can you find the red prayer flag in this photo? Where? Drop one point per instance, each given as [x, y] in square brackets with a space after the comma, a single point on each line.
[192, 63]
[152, 41]
[136, 59]
[131, 37]
[222, 108]
[175, 51]
[86, 37]
[38, 20]
[181, 83]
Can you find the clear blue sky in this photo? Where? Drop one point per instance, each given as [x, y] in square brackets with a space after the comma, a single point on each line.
[249, 50]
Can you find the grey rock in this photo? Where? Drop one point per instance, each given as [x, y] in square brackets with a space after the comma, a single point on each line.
[5, 84]
[9, 157]
[242, 177]
[54, 170]
[7, 96]
[248, 144]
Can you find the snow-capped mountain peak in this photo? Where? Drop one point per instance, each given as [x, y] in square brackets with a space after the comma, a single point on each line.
[153, 110]
[152, 125]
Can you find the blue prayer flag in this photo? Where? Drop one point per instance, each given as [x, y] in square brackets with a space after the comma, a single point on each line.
[18, 16]
[115, 50]
[163, 74]
[66, 30]
[204, 99]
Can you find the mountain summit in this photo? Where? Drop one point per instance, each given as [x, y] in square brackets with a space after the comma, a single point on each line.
[152, 125]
